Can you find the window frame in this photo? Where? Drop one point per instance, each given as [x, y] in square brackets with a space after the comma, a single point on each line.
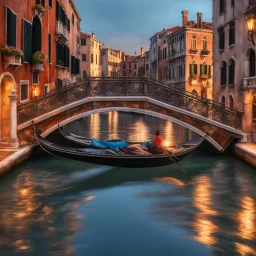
[23, 82]
[6, 24]
[33, 78]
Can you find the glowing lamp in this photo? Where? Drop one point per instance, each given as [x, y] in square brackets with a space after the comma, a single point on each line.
[166, 143]
[250, 27]
[35, 92]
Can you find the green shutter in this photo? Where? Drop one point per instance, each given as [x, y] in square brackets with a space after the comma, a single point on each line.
[38, 2]
[57, 53]
[72, 65]
[43, 3]
[210, 70]
[201, 69]
[57, 10]
[68, 58]
[25, 41]
[195, 67]
[11, 28]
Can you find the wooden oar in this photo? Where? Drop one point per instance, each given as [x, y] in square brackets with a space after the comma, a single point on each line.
[172, 158]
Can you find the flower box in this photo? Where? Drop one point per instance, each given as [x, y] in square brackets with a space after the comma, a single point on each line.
[204, 77]
[8, 58]
[38, 67]
[205, 52]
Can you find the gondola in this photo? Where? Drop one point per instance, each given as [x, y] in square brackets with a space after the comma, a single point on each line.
[111, 158]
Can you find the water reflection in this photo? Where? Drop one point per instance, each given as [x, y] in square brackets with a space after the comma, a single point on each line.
[113, 125]
[94, 127]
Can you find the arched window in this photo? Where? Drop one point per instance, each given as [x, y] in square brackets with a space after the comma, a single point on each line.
[223, 73]
[223, 102]
[193, 43]
[252, 64]
[231, 72]
[194, 92]
[254, 109]
[231, 102]
[36, 35]
[204, 44]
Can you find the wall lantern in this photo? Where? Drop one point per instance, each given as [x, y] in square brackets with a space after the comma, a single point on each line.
[35, 92]
[251, 26]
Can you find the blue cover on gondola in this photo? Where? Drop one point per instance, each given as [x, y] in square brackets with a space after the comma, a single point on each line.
[115, 145]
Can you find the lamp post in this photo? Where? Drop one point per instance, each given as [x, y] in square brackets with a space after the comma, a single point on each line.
[251, 26]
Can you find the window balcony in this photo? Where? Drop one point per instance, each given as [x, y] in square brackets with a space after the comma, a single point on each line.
[11, 61]
[205, 52]
[62, 32]
[249, 83]
[193, 50]
[38, 67]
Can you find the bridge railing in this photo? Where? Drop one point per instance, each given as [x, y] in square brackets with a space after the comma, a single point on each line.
[124, 86]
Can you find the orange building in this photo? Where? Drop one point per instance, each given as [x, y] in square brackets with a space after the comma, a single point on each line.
[129, 65]
[46, 33]
[190, 57]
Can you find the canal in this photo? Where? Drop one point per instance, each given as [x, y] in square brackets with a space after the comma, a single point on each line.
[54, 206]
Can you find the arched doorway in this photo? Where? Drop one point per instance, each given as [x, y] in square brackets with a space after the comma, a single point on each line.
[7, 83]
[36, 35]
[84, 74]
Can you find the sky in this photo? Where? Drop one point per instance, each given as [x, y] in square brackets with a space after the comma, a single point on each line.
[127, 25]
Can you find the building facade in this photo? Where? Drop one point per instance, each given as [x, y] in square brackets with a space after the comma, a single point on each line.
[90, 62]
[111, 62]
[158, 54]
[143, 64]
[129, 65]
[190, 57]
[38, 51]
[234, 82]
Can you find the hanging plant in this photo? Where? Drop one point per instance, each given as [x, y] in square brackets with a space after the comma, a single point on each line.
[11, 51]
[40, 9]
[38, 58]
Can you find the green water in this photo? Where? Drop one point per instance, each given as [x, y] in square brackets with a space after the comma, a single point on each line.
[54, 206]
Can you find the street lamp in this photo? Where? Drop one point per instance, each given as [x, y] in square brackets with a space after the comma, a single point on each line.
[251, 26]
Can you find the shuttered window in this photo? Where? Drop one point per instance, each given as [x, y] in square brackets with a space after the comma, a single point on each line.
[221, 39]
[75, 65]
[38, 2]
[62, 55]
[27, 41]
[232, 33]
[11, 28]
[223, 73]
[193, 69]
[193, 43]
[205, 44]
[222, 6]
[43, 3]
[49, 48]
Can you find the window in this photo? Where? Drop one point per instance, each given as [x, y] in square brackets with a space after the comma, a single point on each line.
[62, 55]
[91, 57]
[204, 44]
[231, 72]
[36, 35]
[24, 91]
[75, 65]
[223, 73]
[223, 102]
[130, 65]
[83, 41]
[130, 71]
[10, 28]
[83, 57]
[232, 33]
[73, 19]
[135, 66]
[203, 69]
[38, 2]
[27, 41]
[222, 6]
[193, 43]
[231, 102]
[50, 3]
[46, 89]
[35, 78]
[252, 64]
[232, 3]
[43, 3]
[193, 69]
[221, 39]
[49, 48]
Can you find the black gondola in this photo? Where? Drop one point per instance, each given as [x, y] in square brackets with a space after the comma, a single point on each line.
[112, 158]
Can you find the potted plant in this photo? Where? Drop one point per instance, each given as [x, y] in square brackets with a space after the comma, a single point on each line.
[18, 54]
[204, 77]
[39, 10]
[194, 77]
[38, 59]
[8, 53]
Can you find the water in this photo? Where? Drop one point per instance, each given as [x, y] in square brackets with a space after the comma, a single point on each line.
[52, 206]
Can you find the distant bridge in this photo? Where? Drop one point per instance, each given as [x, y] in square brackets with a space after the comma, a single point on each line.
[218, 124]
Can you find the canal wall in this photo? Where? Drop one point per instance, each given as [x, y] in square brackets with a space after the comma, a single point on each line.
[15, 158]
[246, 152]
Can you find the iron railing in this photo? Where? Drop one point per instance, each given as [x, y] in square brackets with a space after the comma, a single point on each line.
[125, 86]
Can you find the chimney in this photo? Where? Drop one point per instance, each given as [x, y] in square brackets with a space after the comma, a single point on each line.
[142, 51]
[199, 20]
[184, 18]
[93, 35]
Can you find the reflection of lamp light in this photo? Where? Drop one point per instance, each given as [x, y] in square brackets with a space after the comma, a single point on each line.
[251, 26]
[166, 144]
[35, 92]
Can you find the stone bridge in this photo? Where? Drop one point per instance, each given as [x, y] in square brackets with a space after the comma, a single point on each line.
[219, 125]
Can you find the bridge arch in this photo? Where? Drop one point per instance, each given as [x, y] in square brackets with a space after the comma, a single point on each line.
[135, 110]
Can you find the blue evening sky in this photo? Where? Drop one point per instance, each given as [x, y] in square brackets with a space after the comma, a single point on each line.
[128, 24]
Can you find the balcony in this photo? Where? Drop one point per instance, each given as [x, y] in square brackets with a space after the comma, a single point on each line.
[194, 51]
[205, 52]
[249, 83]
[38, 67]
[11, 61]
[62, 32]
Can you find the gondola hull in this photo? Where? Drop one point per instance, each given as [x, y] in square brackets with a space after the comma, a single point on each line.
[130, 161]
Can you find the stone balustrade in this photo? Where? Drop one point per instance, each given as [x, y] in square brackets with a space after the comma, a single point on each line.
[249, 83]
